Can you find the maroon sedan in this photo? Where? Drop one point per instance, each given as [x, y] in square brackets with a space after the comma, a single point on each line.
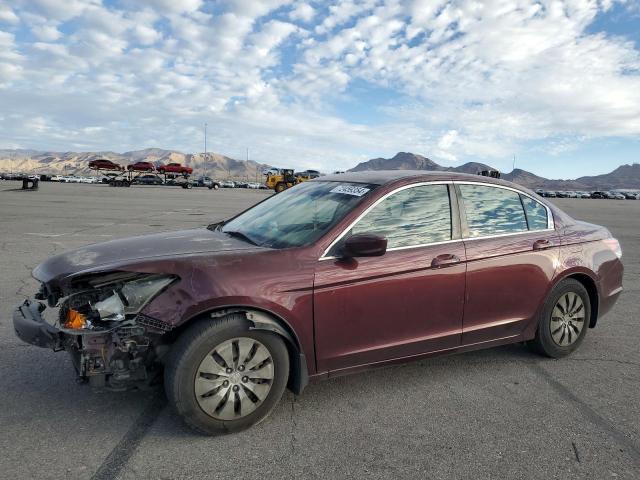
[175, 168]
[141, 167]
[339, 274]
[104, 164]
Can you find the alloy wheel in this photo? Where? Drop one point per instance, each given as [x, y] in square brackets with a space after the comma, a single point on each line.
[234, 378]
[567, 319]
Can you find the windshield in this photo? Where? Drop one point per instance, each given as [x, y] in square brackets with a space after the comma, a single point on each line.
[298, 216]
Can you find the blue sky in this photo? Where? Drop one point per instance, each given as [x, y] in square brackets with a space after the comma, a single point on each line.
[326, 85]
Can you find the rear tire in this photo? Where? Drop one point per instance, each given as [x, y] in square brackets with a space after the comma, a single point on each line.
[197, 362]
[564, 320]
[281, 187]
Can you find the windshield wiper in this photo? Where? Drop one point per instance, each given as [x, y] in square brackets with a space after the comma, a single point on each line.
[216, 226]
[237, 234]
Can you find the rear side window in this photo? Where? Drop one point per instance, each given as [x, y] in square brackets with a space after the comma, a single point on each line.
[410, 217]
[536, 213]
[492, 211]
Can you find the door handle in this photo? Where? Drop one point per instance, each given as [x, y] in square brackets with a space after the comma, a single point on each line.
[444, 260]
[541, 244]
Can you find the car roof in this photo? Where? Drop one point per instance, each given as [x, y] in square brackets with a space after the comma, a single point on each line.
[383, 177]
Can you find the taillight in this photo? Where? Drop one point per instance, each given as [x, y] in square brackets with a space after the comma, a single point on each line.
[614, 245]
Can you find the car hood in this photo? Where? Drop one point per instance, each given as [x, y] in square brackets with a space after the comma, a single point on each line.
[122, 252]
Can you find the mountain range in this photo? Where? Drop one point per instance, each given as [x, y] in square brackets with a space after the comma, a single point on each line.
[625, 176]
[221, 166]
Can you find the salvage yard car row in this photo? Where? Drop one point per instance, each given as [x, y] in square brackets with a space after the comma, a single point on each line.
[614, 195]
[146, 179]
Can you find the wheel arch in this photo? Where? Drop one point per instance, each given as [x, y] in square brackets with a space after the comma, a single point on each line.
[590, 285]
[264, 320]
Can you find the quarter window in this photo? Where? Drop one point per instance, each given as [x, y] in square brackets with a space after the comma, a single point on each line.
[536, 213]
[492, 211]
[414, 216]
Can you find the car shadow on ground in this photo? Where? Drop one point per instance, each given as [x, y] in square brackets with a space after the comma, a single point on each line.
[412, 377]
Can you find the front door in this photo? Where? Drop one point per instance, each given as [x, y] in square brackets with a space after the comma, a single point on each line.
[408, 301]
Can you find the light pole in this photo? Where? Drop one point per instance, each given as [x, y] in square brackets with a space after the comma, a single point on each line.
[204, 167]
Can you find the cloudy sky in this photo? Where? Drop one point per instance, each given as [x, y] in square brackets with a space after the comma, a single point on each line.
[328, 84]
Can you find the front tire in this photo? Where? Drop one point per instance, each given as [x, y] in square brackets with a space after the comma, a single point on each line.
[564, 320]
[222, 377]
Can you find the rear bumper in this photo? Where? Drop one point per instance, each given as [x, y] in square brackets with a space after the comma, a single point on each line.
[607, 303]
[31, 328]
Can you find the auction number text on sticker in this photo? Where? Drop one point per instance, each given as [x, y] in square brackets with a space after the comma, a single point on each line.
[350, 190]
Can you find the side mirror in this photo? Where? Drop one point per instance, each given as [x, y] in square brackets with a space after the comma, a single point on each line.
[365, 245]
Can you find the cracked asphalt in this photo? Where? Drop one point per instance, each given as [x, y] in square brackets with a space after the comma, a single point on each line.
[498, 413]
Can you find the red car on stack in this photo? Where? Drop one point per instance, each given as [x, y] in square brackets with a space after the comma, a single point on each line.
[104, 164]
[175, 168]
[141, 167]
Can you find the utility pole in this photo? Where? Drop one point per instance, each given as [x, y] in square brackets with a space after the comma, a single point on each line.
[514, 163]
[204, 167]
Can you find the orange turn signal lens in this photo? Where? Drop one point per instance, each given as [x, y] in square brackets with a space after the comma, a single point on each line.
[75, 320]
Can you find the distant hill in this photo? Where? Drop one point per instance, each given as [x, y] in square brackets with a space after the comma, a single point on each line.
[215, 165]
[401, 161]
[625, 176]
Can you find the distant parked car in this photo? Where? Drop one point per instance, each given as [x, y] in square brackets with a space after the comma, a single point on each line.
[227, 184]
[583, 194]
[616, 196]
[599, 195]
[630, 195]
[148, 180]
[104, 164]
[57, 178]
[108, 177]
[141, 167]
[175, 168]
[309, 173]
[204, 181]
[561, 194]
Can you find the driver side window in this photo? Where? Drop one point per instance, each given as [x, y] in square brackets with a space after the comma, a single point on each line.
[411, 217]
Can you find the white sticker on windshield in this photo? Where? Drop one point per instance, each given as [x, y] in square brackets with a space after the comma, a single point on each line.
[350, 190]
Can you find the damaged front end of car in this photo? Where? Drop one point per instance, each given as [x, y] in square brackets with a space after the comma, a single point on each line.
[112, 344]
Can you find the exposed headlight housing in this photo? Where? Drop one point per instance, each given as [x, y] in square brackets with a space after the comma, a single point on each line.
[131, 297]
[113, 301]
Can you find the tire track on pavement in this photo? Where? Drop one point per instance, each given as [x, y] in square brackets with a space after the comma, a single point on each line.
[126, 447]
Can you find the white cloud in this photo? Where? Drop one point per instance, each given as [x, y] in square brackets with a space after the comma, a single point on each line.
[7, 15]
[302, 12]
[175, 6]
[146, 35]
[48, 33]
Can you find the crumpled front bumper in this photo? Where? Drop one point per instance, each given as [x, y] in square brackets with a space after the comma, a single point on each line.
[31, 327]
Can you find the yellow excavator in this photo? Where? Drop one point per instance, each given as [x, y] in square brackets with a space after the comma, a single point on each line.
[284, 179]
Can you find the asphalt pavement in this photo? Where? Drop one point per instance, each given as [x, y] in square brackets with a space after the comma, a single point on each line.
[497, 413]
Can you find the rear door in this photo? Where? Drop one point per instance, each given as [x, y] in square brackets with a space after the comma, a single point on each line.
[408, 301]
[512, 253]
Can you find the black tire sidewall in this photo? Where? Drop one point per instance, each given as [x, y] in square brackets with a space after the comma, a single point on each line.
[186, 357]
[544, 339]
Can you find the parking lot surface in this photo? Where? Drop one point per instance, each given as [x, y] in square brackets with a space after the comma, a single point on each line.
[498, 413]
